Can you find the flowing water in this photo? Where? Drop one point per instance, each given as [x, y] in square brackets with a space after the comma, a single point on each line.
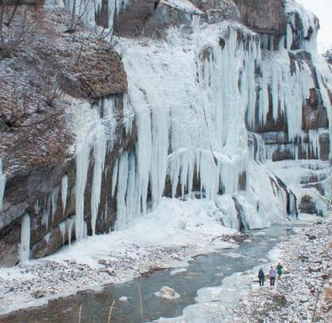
[141, 304]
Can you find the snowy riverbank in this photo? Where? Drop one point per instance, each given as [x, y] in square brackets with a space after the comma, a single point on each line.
[168, 237]
[303, 294]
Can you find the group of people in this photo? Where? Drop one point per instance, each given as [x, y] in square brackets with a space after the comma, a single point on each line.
[272, 274]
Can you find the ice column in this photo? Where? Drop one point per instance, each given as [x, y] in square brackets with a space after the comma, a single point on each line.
[92, 132]
[54, 199]
[2, 185]
[64, 192]
[82, 164]
[99, 153]
[25, 238]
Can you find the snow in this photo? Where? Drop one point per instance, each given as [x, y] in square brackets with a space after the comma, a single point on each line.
[167, 293]
[240, 299]
[151, 241]
[184, 5]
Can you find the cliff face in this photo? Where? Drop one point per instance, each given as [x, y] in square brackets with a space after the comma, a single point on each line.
[45, 69]
[265, 17]
[151, 18]
[61, 79]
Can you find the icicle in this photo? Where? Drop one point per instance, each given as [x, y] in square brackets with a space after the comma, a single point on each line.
[54, 199]
[99, 160]
[46, 213]
[47, 237]
[90, 133]
[2, 185]
[132, 194]
[114, 177]
[87, 10]
[289, 37]
[121, 221]
[37, 207]
[25, 238]
[82, 163]
[64, 192]
[69, 226]
[62, 227]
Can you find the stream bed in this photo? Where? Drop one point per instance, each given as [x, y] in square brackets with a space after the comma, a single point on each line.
[136, 302]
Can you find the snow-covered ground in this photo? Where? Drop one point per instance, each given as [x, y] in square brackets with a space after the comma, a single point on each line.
[169, 237]
[303, 293]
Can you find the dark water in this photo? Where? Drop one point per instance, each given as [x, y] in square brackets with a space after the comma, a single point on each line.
[142, 305]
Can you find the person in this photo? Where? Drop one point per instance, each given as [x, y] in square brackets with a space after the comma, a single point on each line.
[272, 274]
[261, 277]
[279, 270]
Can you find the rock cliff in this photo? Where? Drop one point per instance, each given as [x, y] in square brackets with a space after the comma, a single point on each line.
[48, 66]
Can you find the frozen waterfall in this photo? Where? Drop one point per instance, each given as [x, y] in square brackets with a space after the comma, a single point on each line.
[192, 97]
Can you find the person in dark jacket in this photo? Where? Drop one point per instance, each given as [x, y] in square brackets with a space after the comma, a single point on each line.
[261, 277]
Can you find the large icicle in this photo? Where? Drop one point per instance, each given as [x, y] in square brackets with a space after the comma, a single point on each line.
[25, 238]
[2, 185]
[90, 133]
[64, 192]
[99, 154]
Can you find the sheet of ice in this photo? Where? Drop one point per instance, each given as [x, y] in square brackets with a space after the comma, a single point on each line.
[178, 271]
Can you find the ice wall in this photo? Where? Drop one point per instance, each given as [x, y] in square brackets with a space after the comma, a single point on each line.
[191, 97]
[190, 94]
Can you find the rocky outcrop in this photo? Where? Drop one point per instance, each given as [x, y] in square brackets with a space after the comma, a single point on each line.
[153, 18]
[263, 16]
[41, 76]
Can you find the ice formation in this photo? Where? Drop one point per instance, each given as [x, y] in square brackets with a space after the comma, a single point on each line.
[64, 192]
[192, 97]
[87, 10]
[25, 238]
[191, 120]
[2, 185]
